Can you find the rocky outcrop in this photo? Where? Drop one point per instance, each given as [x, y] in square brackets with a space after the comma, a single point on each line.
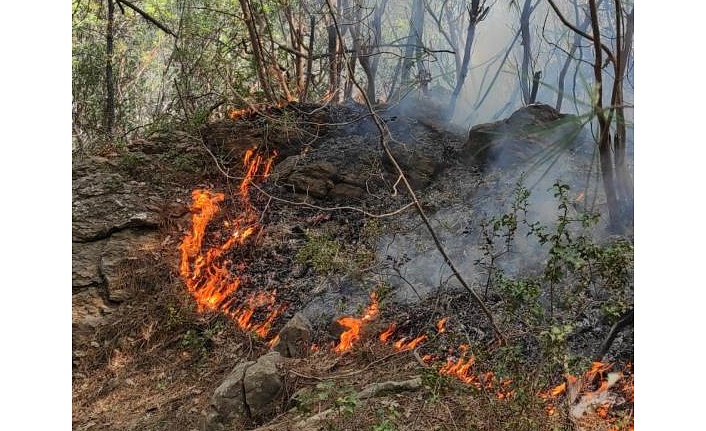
[114, 226]
[334, 152]
[519, 138]
[228, 400]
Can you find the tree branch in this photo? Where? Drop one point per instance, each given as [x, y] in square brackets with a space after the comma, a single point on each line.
[146, 16]
[581, 33]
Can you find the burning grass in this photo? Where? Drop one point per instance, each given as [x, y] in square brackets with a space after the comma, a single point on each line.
[211, 278]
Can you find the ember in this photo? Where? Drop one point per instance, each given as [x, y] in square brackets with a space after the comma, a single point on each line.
[441, 325]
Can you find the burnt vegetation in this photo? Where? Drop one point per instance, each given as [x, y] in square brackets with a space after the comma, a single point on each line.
[447, 207]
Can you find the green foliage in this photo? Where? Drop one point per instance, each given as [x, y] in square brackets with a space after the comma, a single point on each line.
[130, 162]
[326, 255]
[198, 340]
[436, 383]
[324, 394]
[321, 253]
[578, 273]
[390, 414]
[347, 403]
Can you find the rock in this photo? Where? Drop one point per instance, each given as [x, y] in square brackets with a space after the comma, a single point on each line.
[227, 407]
[104, 202]
[294, 338]
[519, 138]
[88, 311]
[114, 221]
[419, 168]
[85, 264]
[121, 256]
[248, 392]
[314, 179]
[262, 385]
[346, 192]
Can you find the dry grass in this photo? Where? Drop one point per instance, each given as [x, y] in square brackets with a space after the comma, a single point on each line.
[156, 362]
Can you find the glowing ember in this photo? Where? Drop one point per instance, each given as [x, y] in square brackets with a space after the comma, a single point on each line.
[212, 279]
[237, 113]
[354, 324]
[441, 325]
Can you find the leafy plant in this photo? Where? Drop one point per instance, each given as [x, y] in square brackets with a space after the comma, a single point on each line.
[321, 253]
[578, 273]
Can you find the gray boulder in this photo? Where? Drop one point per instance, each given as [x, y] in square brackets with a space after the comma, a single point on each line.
[294, 338]
[249, 392]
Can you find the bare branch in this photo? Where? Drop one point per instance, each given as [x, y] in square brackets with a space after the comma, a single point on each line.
[581, 33]
[146, 16]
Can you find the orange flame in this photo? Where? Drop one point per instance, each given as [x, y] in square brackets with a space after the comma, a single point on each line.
[237, 113]
[441, 325]
[385, 335]
[209, 277]
[595, 375]
[354, 325]
[402, 346]
[461, 369]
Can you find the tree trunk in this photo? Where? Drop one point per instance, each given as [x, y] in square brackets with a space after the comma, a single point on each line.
[258, 57]
[476, 13]
[109, 80]
[535, 86]
[413, 43]
[526, 52]
[604, 140]
[623, 178]
[309, 60]
[569, 57]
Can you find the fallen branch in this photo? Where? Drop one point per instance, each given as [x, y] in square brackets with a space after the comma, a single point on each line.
[627, 320]
[391, 387]
[370, 391]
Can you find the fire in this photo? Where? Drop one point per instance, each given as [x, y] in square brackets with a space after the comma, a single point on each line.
[354, 325]
[462, 369]
[441, 325]
[385, 335]
[211, 278]
[597, 403]
[401, 345]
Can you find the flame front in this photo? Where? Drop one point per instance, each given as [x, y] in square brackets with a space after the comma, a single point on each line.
[462, 369]
[211, 278]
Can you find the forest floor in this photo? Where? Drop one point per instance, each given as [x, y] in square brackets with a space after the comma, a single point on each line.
[156, 360]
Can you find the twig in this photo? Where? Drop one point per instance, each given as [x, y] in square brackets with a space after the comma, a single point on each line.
[308, 205]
